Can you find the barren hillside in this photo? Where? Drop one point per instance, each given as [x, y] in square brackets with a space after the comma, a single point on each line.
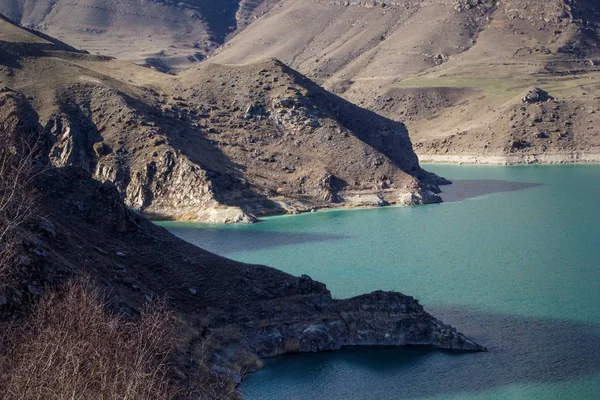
[454, 71]
[218, 143]
[165, 34]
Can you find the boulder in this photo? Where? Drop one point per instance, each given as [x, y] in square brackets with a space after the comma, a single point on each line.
[536, 95]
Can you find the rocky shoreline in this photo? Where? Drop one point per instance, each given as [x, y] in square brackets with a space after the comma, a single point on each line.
[515, 159]
[320, 323]
[251, 213]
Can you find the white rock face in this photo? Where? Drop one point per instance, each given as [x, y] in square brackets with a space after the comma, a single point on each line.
[417, 198]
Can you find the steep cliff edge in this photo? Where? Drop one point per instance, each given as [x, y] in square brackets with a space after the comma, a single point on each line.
[217, 144]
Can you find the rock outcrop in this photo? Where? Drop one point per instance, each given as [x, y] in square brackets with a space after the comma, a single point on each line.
[536, 95]
[376, 319]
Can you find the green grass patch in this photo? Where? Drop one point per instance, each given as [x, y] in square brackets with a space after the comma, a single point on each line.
[504, 83]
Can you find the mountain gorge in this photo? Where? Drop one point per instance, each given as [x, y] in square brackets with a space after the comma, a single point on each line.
[90, 144]
[225, 112]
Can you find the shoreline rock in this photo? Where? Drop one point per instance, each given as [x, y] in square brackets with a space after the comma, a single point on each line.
[379, 318]
[516, 159]
[355, 200]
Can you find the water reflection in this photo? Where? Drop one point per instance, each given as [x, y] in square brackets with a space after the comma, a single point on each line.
[225, 240]
[466, 189]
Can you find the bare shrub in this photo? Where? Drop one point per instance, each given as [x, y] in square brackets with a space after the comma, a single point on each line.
[71, 348]
[205, 384]
[17, 197]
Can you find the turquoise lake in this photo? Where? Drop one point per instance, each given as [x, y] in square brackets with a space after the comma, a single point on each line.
[512, 259]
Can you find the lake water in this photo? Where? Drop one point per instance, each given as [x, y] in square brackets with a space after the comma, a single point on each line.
[512, 259]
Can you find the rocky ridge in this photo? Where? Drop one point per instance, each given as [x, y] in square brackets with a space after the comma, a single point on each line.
[164, 35]
[217, 144]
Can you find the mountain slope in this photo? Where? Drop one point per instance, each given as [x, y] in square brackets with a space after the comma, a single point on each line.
[218, 143]
[164, 34]
[454, 71]
[341, 40]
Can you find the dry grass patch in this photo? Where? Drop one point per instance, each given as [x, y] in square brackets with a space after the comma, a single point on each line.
[71, 348]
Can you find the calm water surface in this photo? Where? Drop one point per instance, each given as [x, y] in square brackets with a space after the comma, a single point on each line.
[512, 259]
